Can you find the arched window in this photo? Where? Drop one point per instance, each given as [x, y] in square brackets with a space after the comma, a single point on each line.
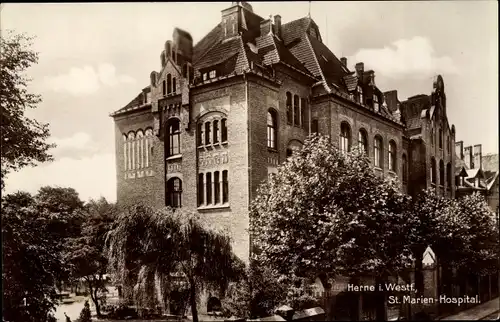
[224, 130]
[131, 150]
[405, 168]
[125, 159]
[448, 175]
[440, 138]
[392, 156]
[174, 191]
[216, 131]
[169, 84]
[207, 133]
[296, 110]
[174, 85]
[164, 88]
[441, 173]
[378, 156]
[433, 171]
[345, 137]
[272, 128]
[201, 134]
[174, 137]
[148, 145]
[363, 140]
[140, 149]
[289, 111]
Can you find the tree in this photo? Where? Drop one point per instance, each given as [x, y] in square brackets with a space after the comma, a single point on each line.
[159, 245]
[85, 252]
[23, 139]
[31, 263]
[328, 212]
[85, 315]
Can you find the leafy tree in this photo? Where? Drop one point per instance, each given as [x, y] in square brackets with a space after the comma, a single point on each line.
[23, 139]
[85, 253]
[161, 244]
[328, 212]
[31, 263]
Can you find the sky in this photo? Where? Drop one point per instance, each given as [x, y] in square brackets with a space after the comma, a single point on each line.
[96, 57]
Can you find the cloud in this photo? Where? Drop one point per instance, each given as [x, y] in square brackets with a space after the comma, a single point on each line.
[78, 145]
[91, 177]
[87, 80]
[413, 58]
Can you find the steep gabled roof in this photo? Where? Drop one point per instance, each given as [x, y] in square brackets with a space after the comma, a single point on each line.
[295, 29]
[207, 42]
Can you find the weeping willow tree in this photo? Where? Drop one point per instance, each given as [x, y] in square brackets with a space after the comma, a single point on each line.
[149, 250]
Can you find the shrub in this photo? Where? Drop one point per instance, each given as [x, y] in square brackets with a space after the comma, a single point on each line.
[85, 313]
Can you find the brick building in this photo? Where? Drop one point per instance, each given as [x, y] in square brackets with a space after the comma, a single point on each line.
[222, 114]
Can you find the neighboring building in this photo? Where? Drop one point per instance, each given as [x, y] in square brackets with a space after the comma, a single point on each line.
[476, 173]
[221, 115]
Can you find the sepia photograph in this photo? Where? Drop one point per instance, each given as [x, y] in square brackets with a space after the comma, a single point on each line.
[250, 161]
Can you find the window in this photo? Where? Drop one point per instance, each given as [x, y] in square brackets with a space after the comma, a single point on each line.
[216, 187]
[405, 168]
[271, 129]
[345, 137]
[148, 145]
[377, 152]
[224, 130]
[174, 191]
[216, 131]
[448, 175]
[375, 103]
[209, 188]
[212, 74]
[392, 156]
[303, 108]
[433, 171]
[164, 88]
[225, 187]
[174, 138]
[174, 85]
[124, 151]
[169, 84]
[200, 189]
[200, 134]
[360, 94]
[130, 150]
[363, 140]
[205, 76]
[441, 173]
[207, 133]
[440, 138]
[296, 110]
[314, 126]
[289, 112]
[140, 149]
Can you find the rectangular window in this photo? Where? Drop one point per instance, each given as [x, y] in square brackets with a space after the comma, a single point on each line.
[209, 188]
[207, 133]
[303, 109]
[296, 110]
[205, 76]
[216, 187]
[216, 131]
[225, 187]
[200, 189]
[224, 130]
[212, 74]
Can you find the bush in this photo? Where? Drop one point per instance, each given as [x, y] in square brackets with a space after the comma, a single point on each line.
[85, 313]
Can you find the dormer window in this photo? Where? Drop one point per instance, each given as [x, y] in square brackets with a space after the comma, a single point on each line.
[375, 103]
[360, 93]
[212, 74]
[205, 76]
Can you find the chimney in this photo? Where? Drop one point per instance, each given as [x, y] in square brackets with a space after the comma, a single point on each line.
[343, 60]
[265, 27]
[459, 149]
[277, 25]
[360, 68]
[469, 161]
[478, 156]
